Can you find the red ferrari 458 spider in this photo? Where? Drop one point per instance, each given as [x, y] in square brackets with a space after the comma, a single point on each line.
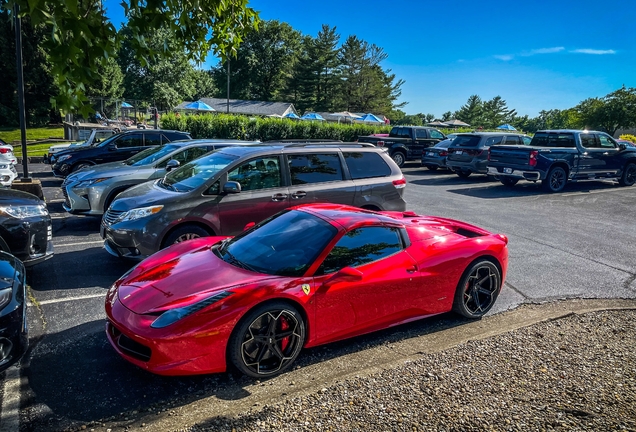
[307, 276]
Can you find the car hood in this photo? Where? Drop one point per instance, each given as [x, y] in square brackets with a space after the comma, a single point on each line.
[110, 169]
[16, 197]
[181, 274]
[144, 194]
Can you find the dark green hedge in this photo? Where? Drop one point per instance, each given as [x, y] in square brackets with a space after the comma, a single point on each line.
[264, 129]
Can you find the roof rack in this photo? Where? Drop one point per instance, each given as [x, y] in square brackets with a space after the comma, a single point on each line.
[325, 144]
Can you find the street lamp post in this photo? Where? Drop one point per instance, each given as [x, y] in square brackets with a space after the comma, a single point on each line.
[21, 109]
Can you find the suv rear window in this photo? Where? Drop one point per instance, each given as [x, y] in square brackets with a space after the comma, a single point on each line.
[554, 139]
[466, 141]
[366, 165]
[314, 168]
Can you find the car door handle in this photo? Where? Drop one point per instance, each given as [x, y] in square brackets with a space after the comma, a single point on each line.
[411, 269]
[299, 195]
[606, 154]
[279, 197]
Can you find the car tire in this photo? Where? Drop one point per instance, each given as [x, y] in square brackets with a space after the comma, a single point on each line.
[432, 167]
[80, 166]
[267, 340]
[556, 180]
[399, 158]
[186, 232]
[629, 175]
[463, 174]
[507, 181]
[478, 289]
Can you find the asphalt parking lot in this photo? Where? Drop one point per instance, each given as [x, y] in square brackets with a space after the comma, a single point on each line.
[575, 244]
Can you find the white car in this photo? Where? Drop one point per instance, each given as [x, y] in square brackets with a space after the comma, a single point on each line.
[94, 137]
[8, 173]
[6, 154]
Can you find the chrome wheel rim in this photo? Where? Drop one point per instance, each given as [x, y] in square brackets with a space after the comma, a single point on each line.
[557, 179]
[398, 158]
[271, 342]
[480, 290]
[186, 236]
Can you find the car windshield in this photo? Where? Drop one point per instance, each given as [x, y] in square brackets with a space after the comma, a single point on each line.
[466, 141]
[192, 175]
[106, 141]
[150, 155]
[444, 144]
[284, 245]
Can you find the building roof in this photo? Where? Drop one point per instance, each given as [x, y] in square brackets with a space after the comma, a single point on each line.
[247, 107]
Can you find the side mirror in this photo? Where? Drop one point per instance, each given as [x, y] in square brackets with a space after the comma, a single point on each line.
[622, 146]
[112, 147]
[249, 225]
[231, 187]
[172, 164]
[346, 274]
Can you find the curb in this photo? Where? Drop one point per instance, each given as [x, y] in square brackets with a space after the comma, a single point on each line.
[33, 159]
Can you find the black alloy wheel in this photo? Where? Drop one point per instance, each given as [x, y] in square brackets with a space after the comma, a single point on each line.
[629, 175]
[508, 181]
[478, 289]
[432, 167]
[463, 174]
[80, 166]
[268, 340]
[399, 158]
[187, 232]
[556, 180]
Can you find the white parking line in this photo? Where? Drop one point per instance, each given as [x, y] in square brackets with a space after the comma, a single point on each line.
[65, 299]
[78, 244]
[10, 418]
[594, 192]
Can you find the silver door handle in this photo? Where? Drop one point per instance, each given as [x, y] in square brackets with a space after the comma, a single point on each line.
[279, 197]
[606, 153]
[299, 195]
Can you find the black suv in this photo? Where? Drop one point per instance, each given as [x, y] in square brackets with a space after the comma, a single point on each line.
[116, 148]
[25, 227]
[230, 189]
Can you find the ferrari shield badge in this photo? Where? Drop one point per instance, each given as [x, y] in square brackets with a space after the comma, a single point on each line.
[306, 288]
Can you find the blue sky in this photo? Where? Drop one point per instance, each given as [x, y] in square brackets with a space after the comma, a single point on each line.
[535, 54]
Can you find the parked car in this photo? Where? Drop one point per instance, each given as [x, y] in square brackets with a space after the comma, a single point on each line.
[13, 320]
[627, 143]
[435, 157]
[8, 173]
[406, 143]
[91, 190]
[556, 156]
[225, 191]
[95, 137]
[25, 227]
[113, 149]
[468, 154]
[307, 276]
[6, 154]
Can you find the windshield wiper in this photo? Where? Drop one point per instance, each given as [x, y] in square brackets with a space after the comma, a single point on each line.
[236, 262]
[166, 185]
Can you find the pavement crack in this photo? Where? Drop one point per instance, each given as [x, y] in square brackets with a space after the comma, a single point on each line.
[629, 281]
[515, 289]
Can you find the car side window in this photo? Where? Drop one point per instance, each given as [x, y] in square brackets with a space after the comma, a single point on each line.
[420, 134]
[132, 140]
[526, 140]
[606, 142]
[314, 168]
[152, 139]
[493, 141]
[261, 173]
[512, 140]
[588, 141]
[361, 246]
[436, 134]
[366, 165]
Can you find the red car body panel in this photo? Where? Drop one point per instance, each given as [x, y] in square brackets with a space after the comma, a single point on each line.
[413, 283]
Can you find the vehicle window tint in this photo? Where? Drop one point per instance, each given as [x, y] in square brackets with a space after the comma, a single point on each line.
[606, 142]
[261, 173]
[420, 134]
[444, 144]
[527, 140]
[314, 168]
[152, 140]
[174, 136]
[366, 165]
[546, 139]
[513, 140]
[132, 140]
[588, 140]
[466, 141]
[361, 246]
[493, 141]
[436, 134]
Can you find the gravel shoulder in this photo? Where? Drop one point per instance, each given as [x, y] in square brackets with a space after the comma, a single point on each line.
[568, 365]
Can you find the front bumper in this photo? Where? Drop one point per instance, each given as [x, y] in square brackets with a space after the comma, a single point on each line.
[30, 240]
[127, 239]
[7, 176]
[61, 169]
[85, 201]
[514, 173]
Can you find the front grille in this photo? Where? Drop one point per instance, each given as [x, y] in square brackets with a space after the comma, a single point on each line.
[65, 193]
[129, 346]
[111, 216]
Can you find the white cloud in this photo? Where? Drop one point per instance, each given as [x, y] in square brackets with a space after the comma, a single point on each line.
[504, 57]
[593, 51]
[544, 51]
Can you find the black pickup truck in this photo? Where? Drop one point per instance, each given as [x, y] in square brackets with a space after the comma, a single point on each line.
[556, 156]
[406, 142]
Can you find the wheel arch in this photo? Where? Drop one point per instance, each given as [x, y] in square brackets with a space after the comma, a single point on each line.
[488, 257]
[173, 228]
[113, 194]
[563, 165]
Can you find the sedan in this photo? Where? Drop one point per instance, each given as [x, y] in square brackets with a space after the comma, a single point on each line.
[435, 157]
[306, 276]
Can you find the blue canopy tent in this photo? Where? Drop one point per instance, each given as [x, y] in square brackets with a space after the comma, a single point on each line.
[291, 115]
[198, 106]
[312, 116]
[370, 118]
[126, 105]
[506, 126]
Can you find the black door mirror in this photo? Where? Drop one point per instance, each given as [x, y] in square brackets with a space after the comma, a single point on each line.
[622, 146]
[232, 187]
[112, 147]
[172, 164]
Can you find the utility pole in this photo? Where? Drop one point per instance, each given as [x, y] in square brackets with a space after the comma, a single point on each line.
[228, 85]
[21, 109]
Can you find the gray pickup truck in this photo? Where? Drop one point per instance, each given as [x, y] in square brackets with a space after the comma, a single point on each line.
[406, 143]
[556, 156]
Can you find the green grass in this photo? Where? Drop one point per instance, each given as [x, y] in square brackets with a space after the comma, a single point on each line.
[34, 149]
[33, 134]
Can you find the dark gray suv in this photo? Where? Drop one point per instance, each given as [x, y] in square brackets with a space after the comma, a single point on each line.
[230, 189]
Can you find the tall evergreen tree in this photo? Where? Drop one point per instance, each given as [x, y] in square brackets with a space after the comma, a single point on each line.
[471, 112]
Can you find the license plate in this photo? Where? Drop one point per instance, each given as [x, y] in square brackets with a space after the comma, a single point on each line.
[430, 154]
[459, 152]
[508, 170]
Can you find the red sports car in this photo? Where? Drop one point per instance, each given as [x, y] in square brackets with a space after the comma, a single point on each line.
[307, 276]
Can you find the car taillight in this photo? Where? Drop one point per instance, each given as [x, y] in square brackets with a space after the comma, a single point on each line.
[443, 153]
[380, 143]
[502, 238]
[399, 184]
[4, 150]
[488, 155]
[533, 157]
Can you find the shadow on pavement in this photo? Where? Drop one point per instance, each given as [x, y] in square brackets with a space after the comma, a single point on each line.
[435, 180]
[533, 189]
[80, 378]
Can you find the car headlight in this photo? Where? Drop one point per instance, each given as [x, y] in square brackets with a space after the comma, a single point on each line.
[3, 166]
[171, 316]
[25, 211]
[90, 182]
[139, 213]
[64, 157]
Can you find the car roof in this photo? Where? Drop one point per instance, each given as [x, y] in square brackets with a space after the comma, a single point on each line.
[488, 133]
[297, 147]
[204, 141]
[569, 131]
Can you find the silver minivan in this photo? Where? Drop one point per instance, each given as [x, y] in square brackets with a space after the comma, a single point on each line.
[228, 190]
